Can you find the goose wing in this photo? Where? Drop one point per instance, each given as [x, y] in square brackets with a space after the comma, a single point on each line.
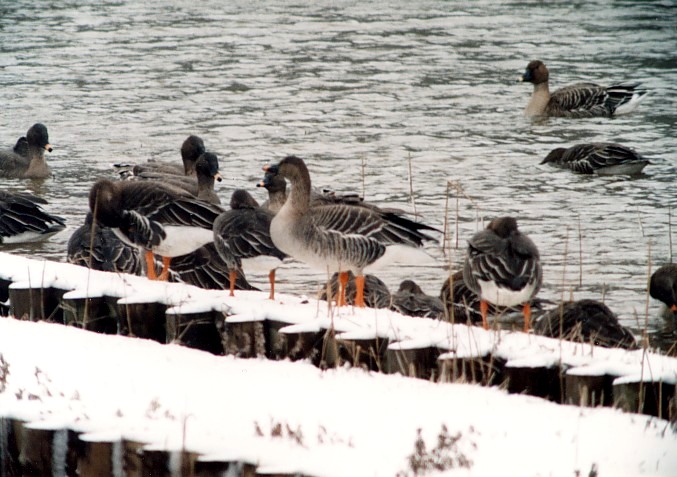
[245, 233]
[23, 213]
[580, 98]
[511, 262]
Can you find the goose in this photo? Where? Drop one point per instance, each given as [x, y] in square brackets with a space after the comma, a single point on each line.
[376, 293]
[463, 305]
[191, 150]
[337, 237]
[588, 320]
[276, 186]
[663, 286]
[205, 268]
[98, 248]
[155, 217]
[200, 185]
[411, 300]
[502, 266]
[580, 100]
[602, 158]
[26, 160]
[242, 239]
[23, 220]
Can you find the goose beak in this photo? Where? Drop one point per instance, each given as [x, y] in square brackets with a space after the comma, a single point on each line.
[218, 177]
[261, 184]
[48, 147]
[271, 168]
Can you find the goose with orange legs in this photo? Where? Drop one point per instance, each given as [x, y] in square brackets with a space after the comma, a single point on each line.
[338, 237]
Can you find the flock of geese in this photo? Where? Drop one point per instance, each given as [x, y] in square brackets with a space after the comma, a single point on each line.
[166, 221]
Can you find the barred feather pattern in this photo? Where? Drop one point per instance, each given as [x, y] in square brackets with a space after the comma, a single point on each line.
[140, 230]
[583, 100]
[410, 300]
[22, 212]
[244, 233]
[589, 158]
[104, 251]
[504, 257]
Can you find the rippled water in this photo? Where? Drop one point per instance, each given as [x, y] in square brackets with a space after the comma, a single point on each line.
[365, 92]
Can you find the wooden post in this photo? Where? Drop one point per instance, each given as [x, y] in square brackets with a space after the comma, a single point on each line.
[10, 445]
[244, 339]
[654, 398]
[97, 459]
[98, 314]
[588, 390]
[143, 320]
[485, 370]
[35, 451]
[538, 381]
[293, 346]
[36, 304]
[417, 362]
[370, 354]
[196, 330]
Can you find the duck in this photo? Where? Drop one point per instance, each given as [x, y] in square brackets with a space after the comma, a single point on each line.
[602, 158]
[579, 100]
[26, 160]
[242, 239]
[22, 218]
[376, 293]
[663, 286]
[200, 185]
[98, 248]
[338, 237]
[411, 300]
[156, 217]
[586, 320]
[502, 266]
[191, 150]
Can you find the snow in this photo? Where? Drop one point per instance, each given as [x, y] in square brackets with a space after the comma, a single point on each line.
[293, 417]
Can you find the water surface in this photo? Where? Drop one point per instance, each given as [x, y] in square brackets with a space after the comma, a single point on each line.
[413, 104]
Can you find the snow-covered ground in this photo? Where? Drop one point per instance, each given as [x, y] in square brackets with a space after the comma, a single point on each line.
[293, 417]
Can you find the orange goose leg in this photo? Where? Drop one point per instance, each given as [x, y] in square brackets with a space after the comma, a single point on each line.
[673, 308]
[527, 317]
[271, 279]
[150, 266]
[164, 274]
[343, 282]
[359, 294]
[232, 278]
[484, 309]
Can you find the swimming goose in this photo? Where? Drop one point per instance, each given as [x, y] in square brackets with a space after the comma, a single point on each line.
[207, 171]
[376, 293]
[602, 158]
[26, 160]
[155, 217]
[337, 237]
[242, 239]
[411, 300]
[579, 100]
[98, 248]
[663, 286]
[191, 149]
[23, 220]
[587, 320]
[502, 267]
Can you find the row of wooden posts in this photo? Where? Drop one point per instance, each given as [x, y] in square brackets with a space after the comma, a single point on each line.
[27, 449]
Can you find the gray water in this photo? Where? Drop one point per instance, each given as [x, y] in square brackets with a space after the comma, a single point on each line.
[366, 92]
